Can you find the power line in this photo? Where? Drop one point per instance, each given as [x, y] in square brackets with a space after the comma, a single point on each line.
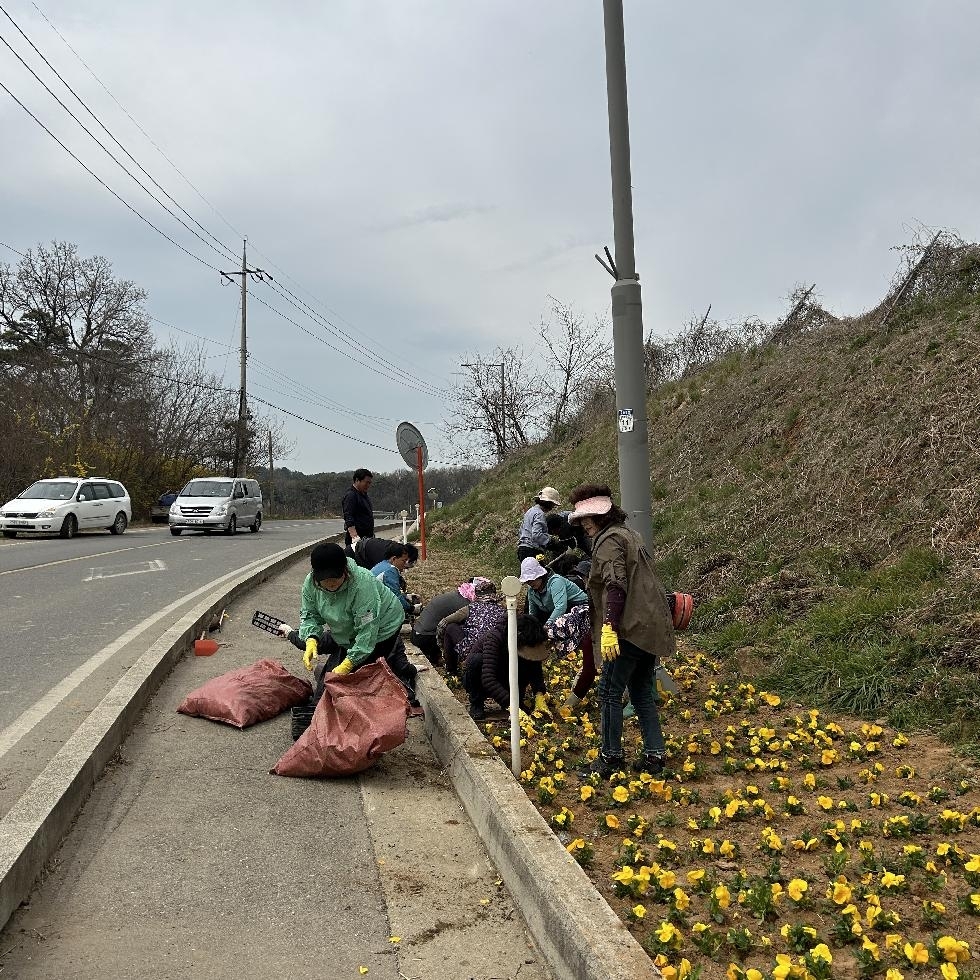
[149, 138]
[342, 335]
[94, 175]
[391, 370]
[21, 254]
[339, 331]
[326, 343]
[224, 254]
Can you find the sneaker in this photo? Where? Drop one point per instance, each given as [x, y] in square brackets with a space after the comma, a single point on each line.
[603, 766]
[648, 762]
[476, 712]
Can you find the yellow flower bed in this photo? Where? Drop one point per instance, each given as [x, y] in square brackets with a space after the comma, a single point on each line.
[781, 842]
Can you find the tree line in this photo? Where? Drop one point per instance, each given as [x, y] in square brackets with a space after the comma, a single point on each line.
[297, 494]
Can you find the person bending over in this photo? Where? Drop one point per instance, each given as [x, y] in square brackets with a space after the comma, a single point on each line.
[389, 572]
[455, 634]
[487, 671]
[348, 618]
[435, 610]
[533, 537]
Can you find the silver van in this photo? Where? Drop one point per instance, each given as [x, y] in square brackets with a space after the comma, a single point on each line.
[215, 503]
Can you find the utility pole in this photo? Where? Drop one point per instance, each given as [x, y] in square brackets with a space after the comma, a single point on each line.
[272, 476]
[627, 310]
[503, 400]
[241, 429]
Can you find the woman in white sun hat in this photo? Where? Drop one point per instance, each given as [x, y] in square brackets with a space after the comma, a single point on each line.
[631, 627]
[533, 537]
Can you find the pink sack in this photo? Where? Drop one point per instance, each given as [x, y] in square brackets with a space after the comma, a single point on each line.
[247, 695]
[360, 716]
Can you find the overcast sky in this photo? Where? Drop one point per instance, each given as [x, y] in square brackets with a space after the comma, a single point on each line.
[432, 171]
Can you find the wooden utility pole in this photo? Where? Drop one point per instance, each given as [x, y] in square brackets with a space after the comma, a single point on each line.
[241, 437]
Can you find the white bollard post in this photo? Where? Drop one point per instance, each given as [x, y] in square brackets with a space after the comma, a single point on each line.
[511, 588]
[404, 516]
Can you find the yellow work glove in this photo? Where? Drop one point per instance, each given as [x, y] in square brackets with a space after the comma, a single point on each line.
[608, 643]
[541, 704]
[310, 655]
[344, 667]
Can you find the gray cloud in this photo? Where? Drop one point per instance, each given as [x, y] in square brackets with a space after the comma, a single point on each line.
[435, 170]
[434, 214]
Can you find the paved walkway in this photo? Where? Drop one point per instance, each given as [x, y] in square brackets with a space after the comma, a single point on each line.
[189, 860]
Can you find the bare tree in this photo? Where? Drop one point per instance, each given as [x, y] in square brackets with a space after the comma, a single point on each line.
[495, 410]
[577, 365]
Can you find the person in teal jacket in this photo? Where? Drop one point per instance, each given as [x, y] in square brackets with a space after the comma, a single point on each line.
[349, 618]
[549, 595]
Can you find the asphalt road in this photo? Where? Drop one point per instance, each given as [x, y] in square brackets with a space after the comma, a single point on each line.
[64, 601]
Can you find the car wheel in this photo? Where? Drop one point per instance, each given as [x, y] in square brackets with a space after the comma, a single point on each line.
[69, 527]
[175, 531]
[120, 524]
[258, 523]
[232, 525]
[10, 534]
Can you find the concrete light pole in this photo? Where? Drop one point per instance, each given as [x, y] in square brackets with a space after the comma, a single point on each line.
[627, 310]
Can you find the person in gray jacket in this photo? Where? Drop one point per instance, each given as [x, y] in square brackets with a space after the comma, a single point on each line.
[533, 538]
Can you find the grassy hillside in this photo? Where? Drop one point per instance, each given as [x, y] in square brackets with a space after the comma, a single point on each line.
[819, 493]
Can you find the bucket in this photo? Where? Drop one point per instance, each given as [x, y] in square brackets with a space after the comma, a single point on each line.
[204, 648]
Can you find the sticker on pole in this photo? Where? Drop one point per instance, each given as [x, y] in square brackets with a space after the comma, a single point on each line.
[626, 420]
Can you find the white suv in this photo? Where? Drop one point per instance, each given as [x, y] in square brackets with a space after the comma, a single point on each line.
[67, 505]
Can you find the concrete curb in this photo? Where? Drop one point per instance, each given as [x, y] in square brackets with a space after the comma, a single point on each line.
[34, 827]
[576, 931]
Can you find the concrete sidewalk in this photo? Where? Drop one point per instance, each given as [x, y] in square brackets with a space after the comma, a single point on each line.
[190, 860]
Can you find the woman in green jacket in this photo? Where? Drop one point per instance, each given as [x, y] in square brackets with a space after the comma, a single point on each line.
[350, 618]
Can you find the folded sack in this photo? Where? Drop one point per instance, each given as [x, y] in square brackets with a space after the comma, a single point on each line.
[359, 717]
[247, 695]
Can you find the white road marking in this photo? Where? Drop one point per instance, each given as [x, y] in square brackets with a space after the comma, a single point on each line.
[154, 565]
[64, 561]
[41, 708]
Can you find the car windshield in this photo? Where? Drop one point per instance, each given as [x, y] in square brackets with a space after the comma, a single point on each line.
[50, 491]
[206, 488]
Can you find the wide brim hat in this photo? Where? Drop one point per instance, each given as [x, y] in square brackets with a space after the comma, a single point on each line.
[532, 569]
[549, 495]
[538, 653]
[590, 507]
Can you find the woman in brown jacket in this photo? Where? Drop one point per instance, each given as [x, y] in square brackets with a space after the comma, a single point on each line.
[631, 627]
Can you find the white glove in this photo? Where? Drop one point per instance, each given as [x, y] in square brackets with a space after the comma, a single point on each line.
[416, 608]
[285, 629]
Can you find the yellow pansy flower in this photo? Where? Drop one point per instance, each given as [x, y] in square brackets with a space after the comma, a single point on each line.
[796, 889]
[612, 821]
[917, 955]
[620, 794]
[821, 954]
[586, 793]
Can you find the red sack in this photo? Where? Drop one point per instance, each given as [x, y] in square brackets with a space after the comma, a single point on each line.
[247, 695]
[360, 716]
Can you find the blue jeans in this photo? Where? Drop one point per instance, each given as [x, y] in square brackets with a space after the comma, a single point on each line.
[636, 670]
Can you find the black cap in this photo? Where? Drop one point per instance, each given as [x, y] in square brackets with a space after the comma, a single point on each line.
[328, 560]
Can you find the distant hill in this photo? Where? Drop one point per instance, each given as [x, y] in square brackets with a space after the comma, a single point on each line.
[818, 489]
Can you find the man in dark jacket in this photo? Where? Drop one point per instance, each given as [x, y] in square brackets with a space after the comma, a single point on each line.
[487, 671]
[358, 511]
